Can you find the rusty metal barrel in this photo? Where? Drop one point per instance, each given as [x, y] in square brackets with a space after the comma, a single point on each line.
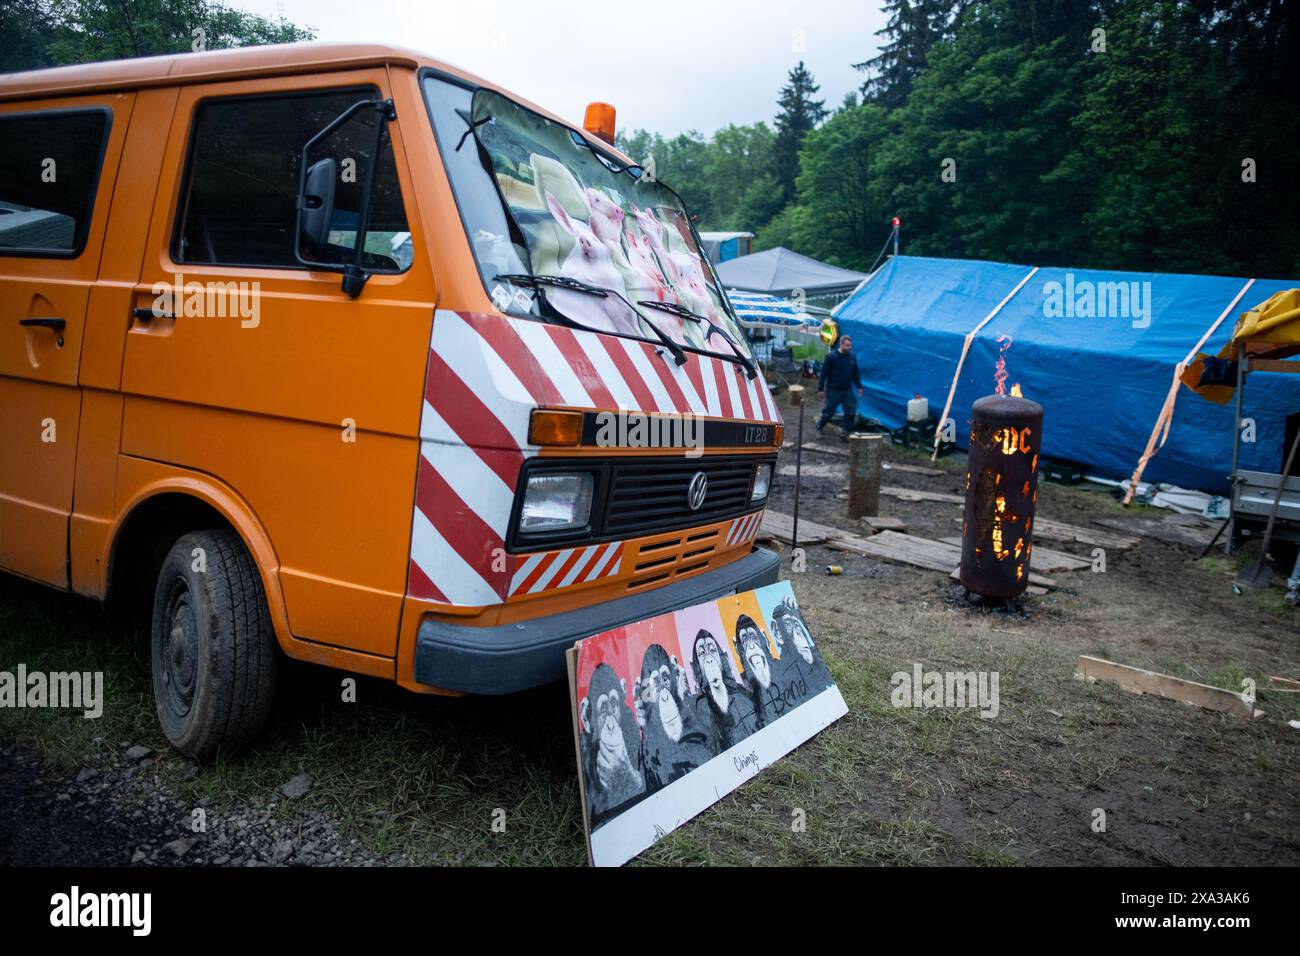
[1001, 492]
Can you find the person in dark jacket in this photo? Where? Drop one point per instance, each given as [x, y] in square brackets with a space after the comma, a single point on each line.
[839, 379]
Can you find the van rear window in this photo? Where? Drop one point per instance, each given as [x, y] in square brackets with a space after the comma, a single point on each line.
[239, 206]
[49, 165]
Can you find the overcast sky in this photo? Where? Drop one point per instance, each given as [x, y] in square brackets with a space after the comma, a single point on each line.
[666, 65]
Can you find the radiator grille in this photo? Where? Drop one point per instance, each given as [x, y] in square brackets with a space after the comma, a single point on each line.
[646, 496]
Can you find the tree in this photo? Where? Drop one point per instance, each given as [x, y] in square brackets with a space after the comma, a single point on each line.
[40, 33]
[799, 115]
[913, 27]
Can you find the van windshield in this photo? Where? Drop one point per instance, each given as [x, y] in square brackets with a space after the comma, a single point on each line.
[550, 219]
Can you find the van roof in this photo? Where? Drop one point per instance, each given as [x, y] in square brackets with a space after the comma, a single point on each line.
[233, 64]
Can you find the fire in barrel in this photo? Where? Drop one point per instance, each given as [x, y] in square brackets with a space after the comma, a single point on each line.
[1001, 491]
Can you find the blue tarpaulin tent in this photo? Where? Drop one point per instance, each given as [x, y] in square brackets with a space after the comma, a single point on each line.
[1096, 349]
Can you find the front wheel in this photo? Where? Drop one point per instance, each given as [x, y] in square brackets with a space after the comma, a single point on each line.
[213, 646]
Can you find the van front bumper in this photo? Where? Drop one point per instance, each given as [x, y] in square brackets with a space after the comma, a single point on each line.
[507, 658]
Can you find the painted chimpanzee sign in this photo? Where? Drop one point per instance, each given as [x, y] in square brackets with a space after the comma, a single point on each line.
[674, 712]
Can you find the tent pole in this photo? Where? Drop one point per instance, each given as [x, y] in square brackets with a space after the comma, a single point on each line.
[1165, 420]
[970, 337]
[1236, 446]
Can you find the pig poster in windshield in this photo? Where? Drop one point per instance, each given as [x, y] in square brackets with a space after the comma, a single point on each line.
[673, 713]
[618, 241]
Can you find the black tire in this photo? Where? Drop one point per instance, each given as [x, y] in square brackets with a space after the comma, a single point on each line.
[213, 647]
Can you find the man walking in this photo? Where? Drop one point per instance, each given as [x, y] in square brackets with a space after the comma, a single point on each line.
[839, 379]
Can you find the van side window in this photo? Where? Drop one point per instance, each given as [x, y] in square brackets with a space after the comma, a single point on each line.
[239, 203]
[49, 167]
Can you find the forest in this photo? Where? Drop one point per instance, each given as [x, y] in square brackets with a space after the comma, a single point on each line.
[1159, 135]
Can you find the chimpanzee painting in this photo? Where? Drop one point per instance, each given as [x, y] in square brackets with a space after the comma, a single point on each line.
[723, 705]
[675, 712]
[673, 740]
[611, 742]
[801, 671]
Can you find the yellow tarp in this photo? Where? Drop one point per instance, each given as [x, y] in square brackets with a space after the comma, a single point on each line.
[1269, 330]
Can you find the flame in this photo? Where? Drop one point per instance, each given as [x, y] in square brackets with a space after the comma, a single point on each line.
[1000, 370]
[1016, 392]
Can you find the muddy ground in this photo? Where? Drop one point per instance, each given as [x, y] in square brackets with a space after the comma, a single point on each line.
[1178, 784]
[398, 778]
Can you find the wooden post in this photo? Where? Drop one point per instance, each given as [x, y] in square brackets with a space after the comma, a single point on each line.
[864, 475]
[796, 398]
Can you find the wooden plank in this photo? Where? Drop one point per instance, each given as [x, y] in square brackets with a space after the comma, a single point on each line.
[1135, 680]
[1073, 533]
[809, 470]
[911, 494]
[914, 469]
[825, 449]
[921, 552]
[781, 526]
[1044, 559]
[884, 523]
[1170, 532]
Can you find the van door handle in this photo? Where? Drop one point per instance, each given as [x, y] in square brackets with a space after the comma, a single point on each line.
[56, 324]
[148, 315]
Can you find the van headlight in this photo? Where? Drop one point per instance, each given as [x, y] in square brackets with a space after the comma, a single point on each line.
[762, 480]
[556, 502]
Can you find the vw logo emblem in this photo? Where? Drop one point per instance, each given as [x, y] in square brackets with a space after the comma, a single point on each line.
[699, 487]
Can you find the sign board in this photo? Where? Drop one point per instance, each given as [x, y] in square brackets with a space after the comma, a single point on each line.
[673, 713]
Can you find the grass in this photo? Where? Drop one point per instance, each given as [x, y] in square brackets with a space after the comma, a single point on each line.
[424, 776]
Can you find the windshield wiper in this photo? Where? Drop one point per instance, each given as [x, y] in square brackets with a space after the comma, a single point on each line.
[682, 312]
[575, 285]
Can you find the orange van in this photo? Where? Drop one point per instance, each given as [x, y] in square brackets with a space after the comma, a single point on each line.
[336, 351]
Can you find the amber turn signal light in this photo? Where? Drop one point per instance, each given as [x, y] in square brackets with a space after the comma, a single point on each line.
[599, 121]
[554, 427]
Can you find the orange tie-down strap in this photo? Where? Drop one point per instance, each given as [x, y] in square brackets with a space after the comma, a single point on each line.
[1165, 420]
[970, 337]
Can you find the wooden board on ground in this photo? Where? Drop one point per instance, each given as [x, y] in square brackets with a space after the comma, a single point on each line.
[1075, 534]
[781, 527]
[913, 469]
[1138, 681]
[842, 452]
[884, 523]
[809, 470]
[911, 494]
[910, 549]
[1174, 529]
[889, 545]
[1043, 559]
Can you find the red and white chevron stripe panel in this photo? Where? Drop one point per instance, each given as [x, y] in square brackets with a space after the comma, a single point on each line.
[487, 373]
[744, 529]
[551, 570]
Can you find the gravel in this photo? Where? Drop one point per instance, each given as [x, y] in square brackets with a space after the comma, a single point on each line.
[113, 812]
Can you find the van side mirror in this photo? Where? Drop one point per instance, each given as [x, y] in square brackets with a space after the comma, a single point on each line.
[317, 186]
[316, 204]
